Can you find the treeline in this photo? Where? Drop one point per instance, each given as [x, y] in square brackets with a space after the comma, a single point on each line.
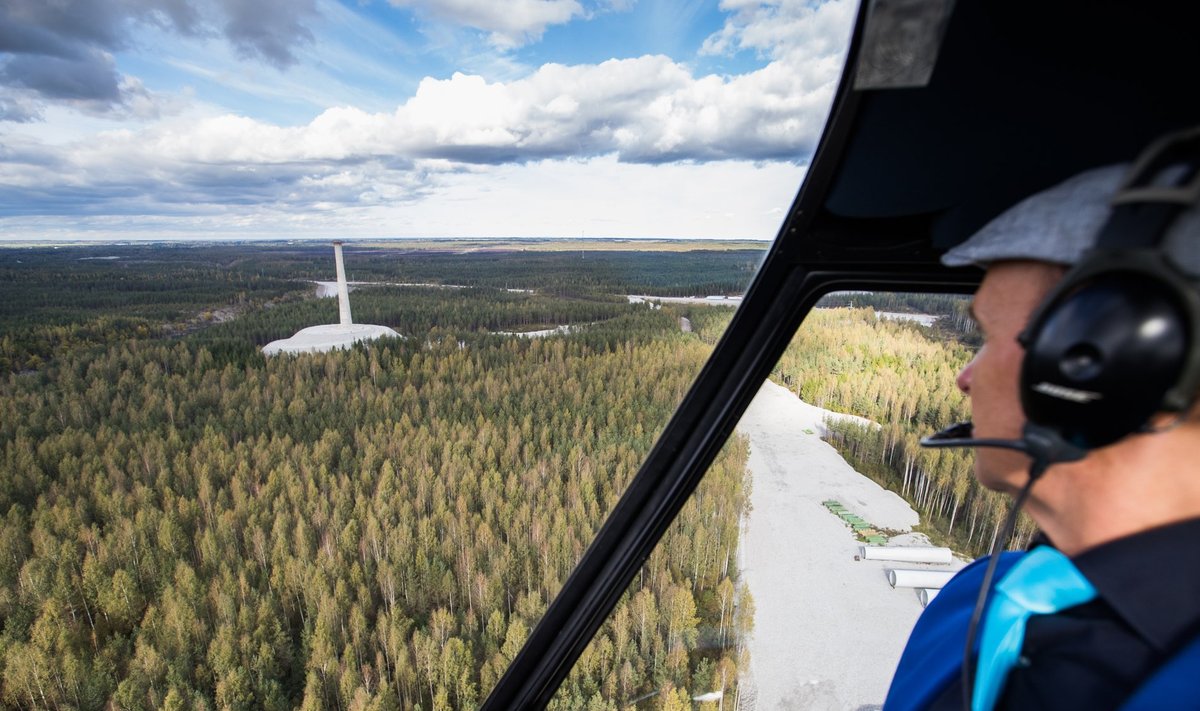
[186, 527]
[683, 273]
[417, 311]
[900, 302]
[57, 300]
[954, 321]
[689, 273]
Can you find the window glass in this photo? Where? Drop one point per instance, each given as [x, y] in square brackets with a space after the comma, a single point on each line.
[189, 520]
[829, 468]
[229, 481]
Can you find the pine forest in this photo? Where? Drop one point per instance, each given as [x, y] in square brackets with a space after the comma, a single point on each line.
[185, 524]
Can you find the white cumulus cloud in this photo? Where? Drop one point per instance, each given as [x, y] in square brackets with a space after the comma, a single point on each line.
[645, 110]
[463, 130]
[790, 30]
[511, 23]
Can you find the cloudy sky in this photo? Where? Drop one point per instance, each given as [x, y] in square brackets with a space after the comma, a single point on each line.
[148, 119]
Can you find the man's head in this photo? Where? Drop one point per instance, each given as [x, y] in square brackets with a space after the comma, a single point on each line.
[1026, 252]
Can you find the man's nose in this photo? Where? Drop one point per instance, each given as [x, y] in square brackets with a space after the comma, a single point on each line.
[964, 377]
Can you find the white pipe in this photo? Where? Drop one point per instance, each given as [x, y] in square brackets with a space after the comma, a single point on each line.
[343, 290]
[909, 554]
[919, 578]
[926, 595]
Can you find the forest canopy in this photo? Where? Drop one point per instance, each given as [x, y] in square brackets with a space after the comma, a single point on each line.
[187, 524]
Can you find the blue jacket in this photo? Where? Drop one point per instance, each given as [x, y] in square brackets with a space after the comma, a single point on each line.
[933, 656]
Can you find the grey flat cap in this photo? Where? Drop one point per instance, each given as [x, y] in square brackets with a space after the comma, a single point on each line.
[1059, 224]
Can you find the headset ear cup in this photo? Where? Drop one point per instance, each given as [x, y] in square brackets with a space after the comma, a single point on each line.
[1102, 355]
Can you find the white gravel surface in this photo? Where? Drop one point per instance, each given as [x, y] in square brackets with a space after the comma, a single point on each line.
[923, 319]
[710, 300]
[828, 630]
[328, 337]
[556, 331]
[328, 289]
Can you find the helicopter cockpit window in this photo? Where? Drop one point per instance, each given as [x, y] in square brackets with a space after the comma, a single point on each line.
[794, 575]
[331, 332]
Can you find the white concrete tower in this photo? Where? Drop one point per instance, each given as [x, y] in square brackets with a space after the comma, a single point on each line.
[343, 290]
[331, 336]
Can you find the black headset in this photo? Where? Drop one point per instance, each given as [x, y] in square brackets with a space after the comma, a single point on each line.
[1116, 341]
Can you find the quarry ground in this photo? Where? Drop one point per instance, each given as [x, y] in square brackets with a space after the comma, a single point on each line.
[828, 630]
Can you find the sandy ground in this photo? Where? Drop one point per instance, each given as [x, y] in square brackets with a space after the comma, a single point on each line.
[710, 300]
[923, 319]
[328, 337]
[557, 330]
[828, 630]
[328, 289]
